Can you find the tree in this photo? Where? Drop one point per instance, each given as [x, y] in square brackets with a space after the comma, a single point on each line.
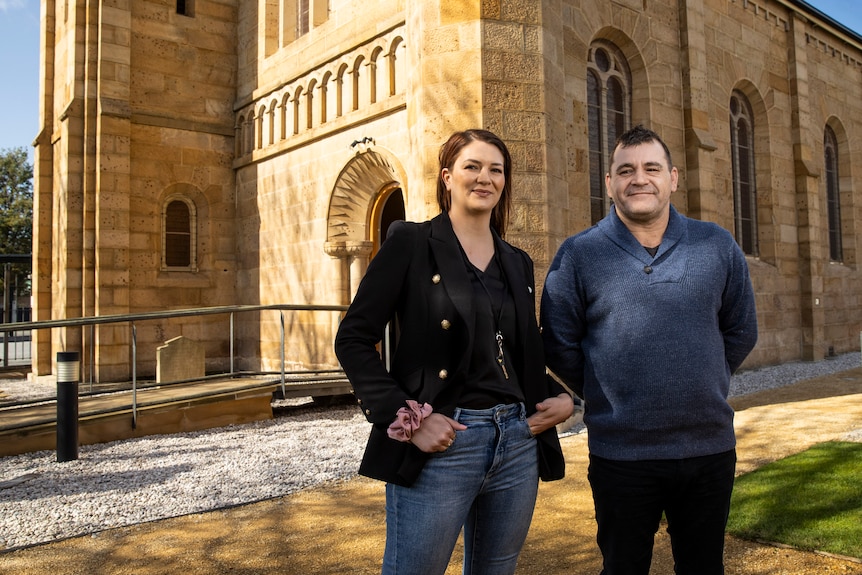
[16, 211]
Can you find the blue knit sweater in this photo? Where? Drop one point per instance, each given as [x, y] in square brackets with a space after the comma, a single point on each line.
[649, 342]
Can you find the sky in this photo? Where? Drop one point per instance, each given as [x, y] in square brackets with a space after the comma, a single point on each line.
[19, 64]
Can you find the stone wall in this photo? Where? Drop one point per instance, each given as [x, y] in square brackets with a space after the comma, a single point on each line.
[288, 145]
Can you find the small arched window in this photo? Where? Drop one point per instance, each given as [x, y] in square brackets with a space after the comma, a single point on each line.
[742, 158]
[609, 113]
[179, 237]
[833, 195]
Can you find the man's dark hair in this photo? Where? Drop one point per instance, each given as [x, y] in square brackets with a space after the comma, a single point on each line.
[640, 135]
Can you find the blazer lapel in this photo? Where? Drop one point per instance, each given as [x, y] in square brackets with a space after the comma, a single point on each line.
[456, 282]
[519, 283]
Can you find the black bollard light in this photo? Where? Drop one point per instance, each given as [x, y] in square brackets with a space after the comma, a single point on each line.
[67, 405]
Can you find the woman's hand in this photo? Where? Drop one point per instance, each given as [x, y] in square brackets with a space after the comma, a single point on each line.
[436, 433]
[550, 412]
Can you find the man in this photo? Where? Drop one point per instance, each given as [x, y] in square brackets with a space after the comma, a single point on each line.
[645, 316]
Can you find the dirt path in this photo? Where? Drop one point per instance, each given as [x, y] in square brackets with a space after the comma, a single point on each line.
[339, 529]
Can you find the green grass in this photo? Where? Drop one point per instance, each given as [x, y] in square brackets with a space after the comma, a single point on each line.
[811, 500]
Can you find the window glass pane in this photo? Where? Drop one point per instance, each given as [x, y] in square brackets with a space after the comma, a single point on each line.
[597, 200]
[302, 14]
[744, 184]
[833, 195]
[602, 61]
[178, 219]
[177, 235]
[609, 104]
[616, 111]
[178, 250]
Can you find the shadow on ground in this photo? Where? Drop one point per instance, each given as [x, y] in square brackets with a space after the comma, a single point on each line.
[339, 528]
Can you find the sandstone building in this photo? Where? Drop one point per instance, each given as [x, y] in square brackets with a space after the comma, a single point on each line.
[197, 153]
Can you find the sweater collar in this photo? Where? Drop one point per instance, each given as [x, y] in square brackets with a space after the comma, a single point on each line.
[614, 228]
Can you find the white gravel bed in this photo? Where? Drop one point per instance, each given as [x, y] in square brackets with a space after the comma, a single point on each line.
[750, 381]
[133, 481]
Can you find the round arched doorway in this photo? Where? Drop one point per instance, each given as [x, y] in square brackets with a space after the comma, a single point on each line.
[388, 208]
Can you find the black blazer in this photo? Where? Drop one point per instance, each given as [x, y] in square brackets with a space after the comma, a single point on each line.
[419, 280]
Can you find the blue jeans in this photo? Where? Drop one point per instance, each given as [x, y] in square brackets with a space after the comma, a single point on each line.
[486, 482]
[693, 493]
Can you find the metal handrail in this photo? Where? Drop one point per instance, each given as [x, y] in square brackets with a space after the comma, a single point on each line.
[190, 312]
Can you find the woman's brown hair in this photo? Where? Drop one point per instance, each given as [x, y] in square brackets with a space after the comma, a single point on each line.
[449, 153]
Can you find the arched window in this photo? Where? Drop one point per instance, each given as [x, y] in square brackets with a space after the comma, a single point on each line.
[286, 117]
[355, 73]
[258, 128]
[833, 195]
[238, 136]
[609, 113]
[273, 106]
[742, 156]
[339, 91]
[297, 100]
[179, 237]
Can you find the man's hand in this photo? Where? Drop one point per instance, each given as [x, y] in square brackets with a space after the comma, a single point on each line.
[550, 412]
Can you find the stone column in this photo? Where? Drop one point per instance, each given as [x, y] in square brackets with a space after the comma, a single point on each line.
[43, 184]
[808, 200]
[699, 144]
[524, 102]
[359, 253]
[354, 257]
[112, 166]
[444, 88]
[67, 182]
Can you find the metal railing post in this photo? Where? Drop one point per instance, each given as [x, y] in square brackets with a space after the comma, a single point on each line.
[231, 343]
[7, 311]
[283, 389]
[134, 377]
[92, 354]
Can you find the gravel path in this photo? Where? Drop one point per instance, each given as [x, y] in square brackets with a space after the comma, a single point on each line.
[145, 479]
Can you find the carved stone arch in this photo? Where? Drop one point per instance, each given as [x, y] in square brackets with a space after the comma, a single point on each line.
[339, 89]
[296, 101]
[286, 116]
[324, 96]
[356, 82]
[633, 70]
[394, 44]
[309, 104]
[354, 193]
[260, 120]
[362, 183]
[395, 67]
[373, 71]
[271, 120]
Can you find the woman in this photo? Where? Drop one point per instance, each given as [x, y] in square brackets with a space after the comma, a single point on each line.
[464, 424]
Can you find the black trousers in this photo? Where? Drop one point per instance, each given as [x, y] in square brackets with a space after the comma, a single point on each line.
[630, 497]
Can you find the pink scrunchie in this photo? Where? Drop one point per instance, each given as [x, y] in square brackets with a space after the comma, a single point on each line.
[407, 420]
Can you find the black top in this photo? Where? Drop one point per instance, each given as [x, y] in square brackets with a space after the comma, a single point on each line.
[488, 384]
